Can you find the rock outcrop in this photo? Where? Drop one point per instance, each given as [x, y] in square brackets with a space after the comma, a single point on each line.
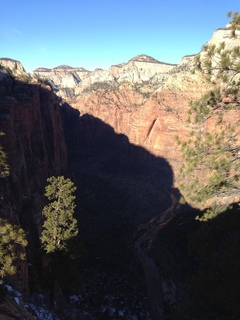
[13, 65]
[62, 76]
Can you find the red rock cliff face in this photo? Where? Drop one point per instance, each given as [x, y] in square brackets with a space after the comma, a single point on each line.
[148, 120]
[35, 145]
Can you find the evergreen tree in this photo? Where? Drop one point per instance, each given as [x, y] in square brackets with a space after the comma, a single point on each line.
[12, 242]
[12, 237]
[4, 167]
[59, 226]
[210, 170]
[222, 62]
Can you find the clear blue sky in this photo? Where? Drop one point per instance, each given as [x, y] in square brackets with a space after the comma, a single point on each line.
[100, 33]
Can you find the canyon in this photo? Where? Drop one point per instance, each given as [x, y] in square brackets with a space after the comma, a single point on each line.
[114, 133]
[144, 99]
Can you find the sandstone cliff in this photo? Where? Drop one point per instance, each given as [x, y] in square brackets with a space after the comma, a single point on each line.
[13, 65]
[62, 76]
[35, 145]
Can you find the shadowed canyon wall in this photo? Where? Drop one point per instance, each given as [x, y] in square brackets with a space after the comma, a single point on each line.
[35, 145]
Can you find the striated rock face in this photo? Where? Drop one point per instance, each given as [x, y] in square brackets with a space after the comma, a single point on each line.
[35, 145]
[151, 122]
[62, 76]
[137, 70]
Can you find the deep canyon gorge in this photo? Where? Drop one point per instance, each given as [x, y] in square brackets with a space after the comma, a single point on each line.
[142, 253]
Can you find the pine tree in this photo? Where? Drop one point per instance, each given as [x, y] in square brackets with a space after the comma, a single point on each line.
[210, 170]
[59, 226]
[12, 242]
[12, 237]
[4, 166]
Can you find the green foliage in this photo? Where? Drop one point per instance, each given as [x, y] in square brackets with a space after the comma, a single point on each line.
[12, 237]
[12, 242]
[235, 24]
[210, 170]
[60, 226]
[219, 63]
[4, 167]
[106, 86]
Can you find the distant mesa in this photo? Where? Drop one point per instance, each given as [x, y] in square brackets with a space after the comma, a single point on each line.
[16, 65]
[62, 67]
[42, 70]
[139, 58]
[147, 59]
[69, 68]
[98, 69]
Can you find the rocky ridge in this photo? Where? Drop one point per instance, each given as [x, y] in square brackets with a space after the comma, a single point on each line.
[137, 70]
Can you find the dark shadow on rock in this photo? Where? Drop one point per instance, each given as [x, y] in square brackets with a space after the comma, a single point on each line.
[96, 152]
[120, 186]
[35, 145]
[94, 144]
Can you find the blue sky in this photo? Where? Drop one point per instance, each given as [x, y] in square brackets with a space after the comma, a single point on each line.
[99, 33]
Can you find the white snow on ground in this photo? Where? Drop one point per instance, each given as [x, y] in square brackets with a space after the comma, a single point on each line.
[40, 312]
[17, 300]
